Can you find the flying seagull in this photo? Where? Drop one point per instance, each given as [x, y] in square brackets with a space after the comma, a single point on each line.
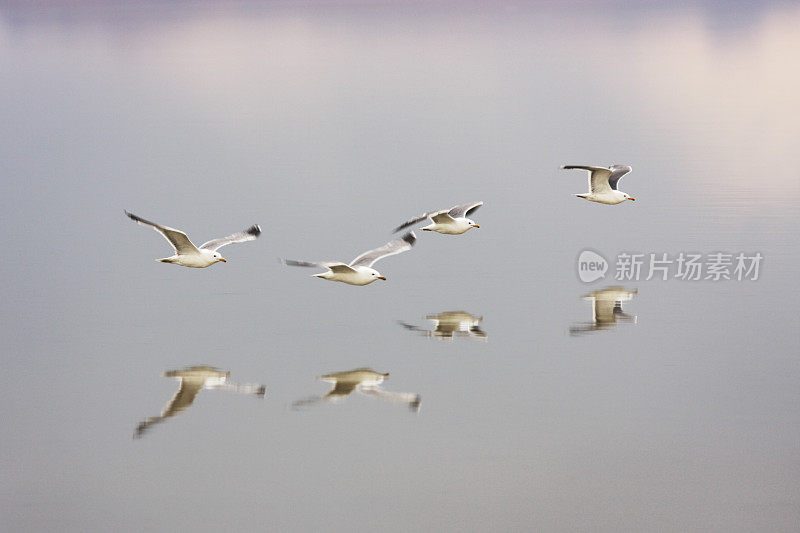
[187, 254]
[606, 309]
[193, 380]
[603, 183]
[451, 324]
[451, 221]
[359, 271]
[363, 380]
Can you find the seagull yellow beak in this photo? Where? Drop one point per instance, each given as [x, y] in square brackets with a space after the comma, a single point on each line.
[475, 226]
[223, 259]
[382, 277]
[631, 198]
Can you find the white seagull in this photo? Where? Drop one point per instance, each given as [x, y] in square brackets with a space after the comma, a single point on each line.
[359, 271]
[187, 254]
[451, 221]
[603, 183]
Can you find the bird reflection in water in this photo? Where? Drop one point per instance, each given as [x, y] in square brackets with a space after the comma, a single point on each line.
[365, 381]
[606, 310]
[193, 380]
[450, 324]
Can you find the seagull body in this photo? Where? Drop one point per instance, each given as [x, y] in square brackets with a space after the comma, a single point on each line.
[193, 380]
[603, 183]
[606, 309]
[364, 380]
[359, 271]
[189, 255]
[451, 324]
[451, 221]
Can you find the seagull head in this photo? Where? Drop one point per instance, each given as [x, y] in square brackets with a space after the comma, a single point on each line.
[218, 257]
[628, 197]
[374, 274]
[472, 223]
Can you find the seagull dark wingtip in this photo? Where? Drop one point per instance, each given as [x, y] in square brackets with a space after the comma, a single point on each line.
[254, 230]
[410, 238]
[400, 227]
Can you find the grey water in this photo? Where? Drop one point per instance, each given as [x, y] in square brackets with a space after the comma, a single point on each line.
[674, 408]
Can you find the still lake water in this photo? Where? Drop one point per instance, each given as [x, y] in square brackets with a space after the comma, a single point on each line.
[329, 124]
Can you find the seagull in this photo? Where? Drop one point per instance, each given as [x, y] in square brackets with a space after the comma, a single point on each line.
[451, 221]
[364, 380]
[603, 183]
[450, 324]
[606, 309]
[187, 254]
[193, 380]
[359, 271]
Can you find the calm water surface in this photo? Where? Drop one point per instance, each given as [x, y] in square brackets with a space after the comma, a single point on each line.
[517, 398]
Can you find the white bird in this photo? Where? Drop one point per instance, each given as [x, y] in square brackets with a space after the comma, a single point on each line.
[359, 271]
[193, 380]
[451, 221]
[364, 380]
[603, 183]
[187, 254]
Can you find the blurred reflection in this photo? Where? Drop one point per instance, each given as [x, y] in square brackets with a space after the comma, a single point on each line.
[451, 324]
[365, 381]
[606, 310]
[194, 379]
